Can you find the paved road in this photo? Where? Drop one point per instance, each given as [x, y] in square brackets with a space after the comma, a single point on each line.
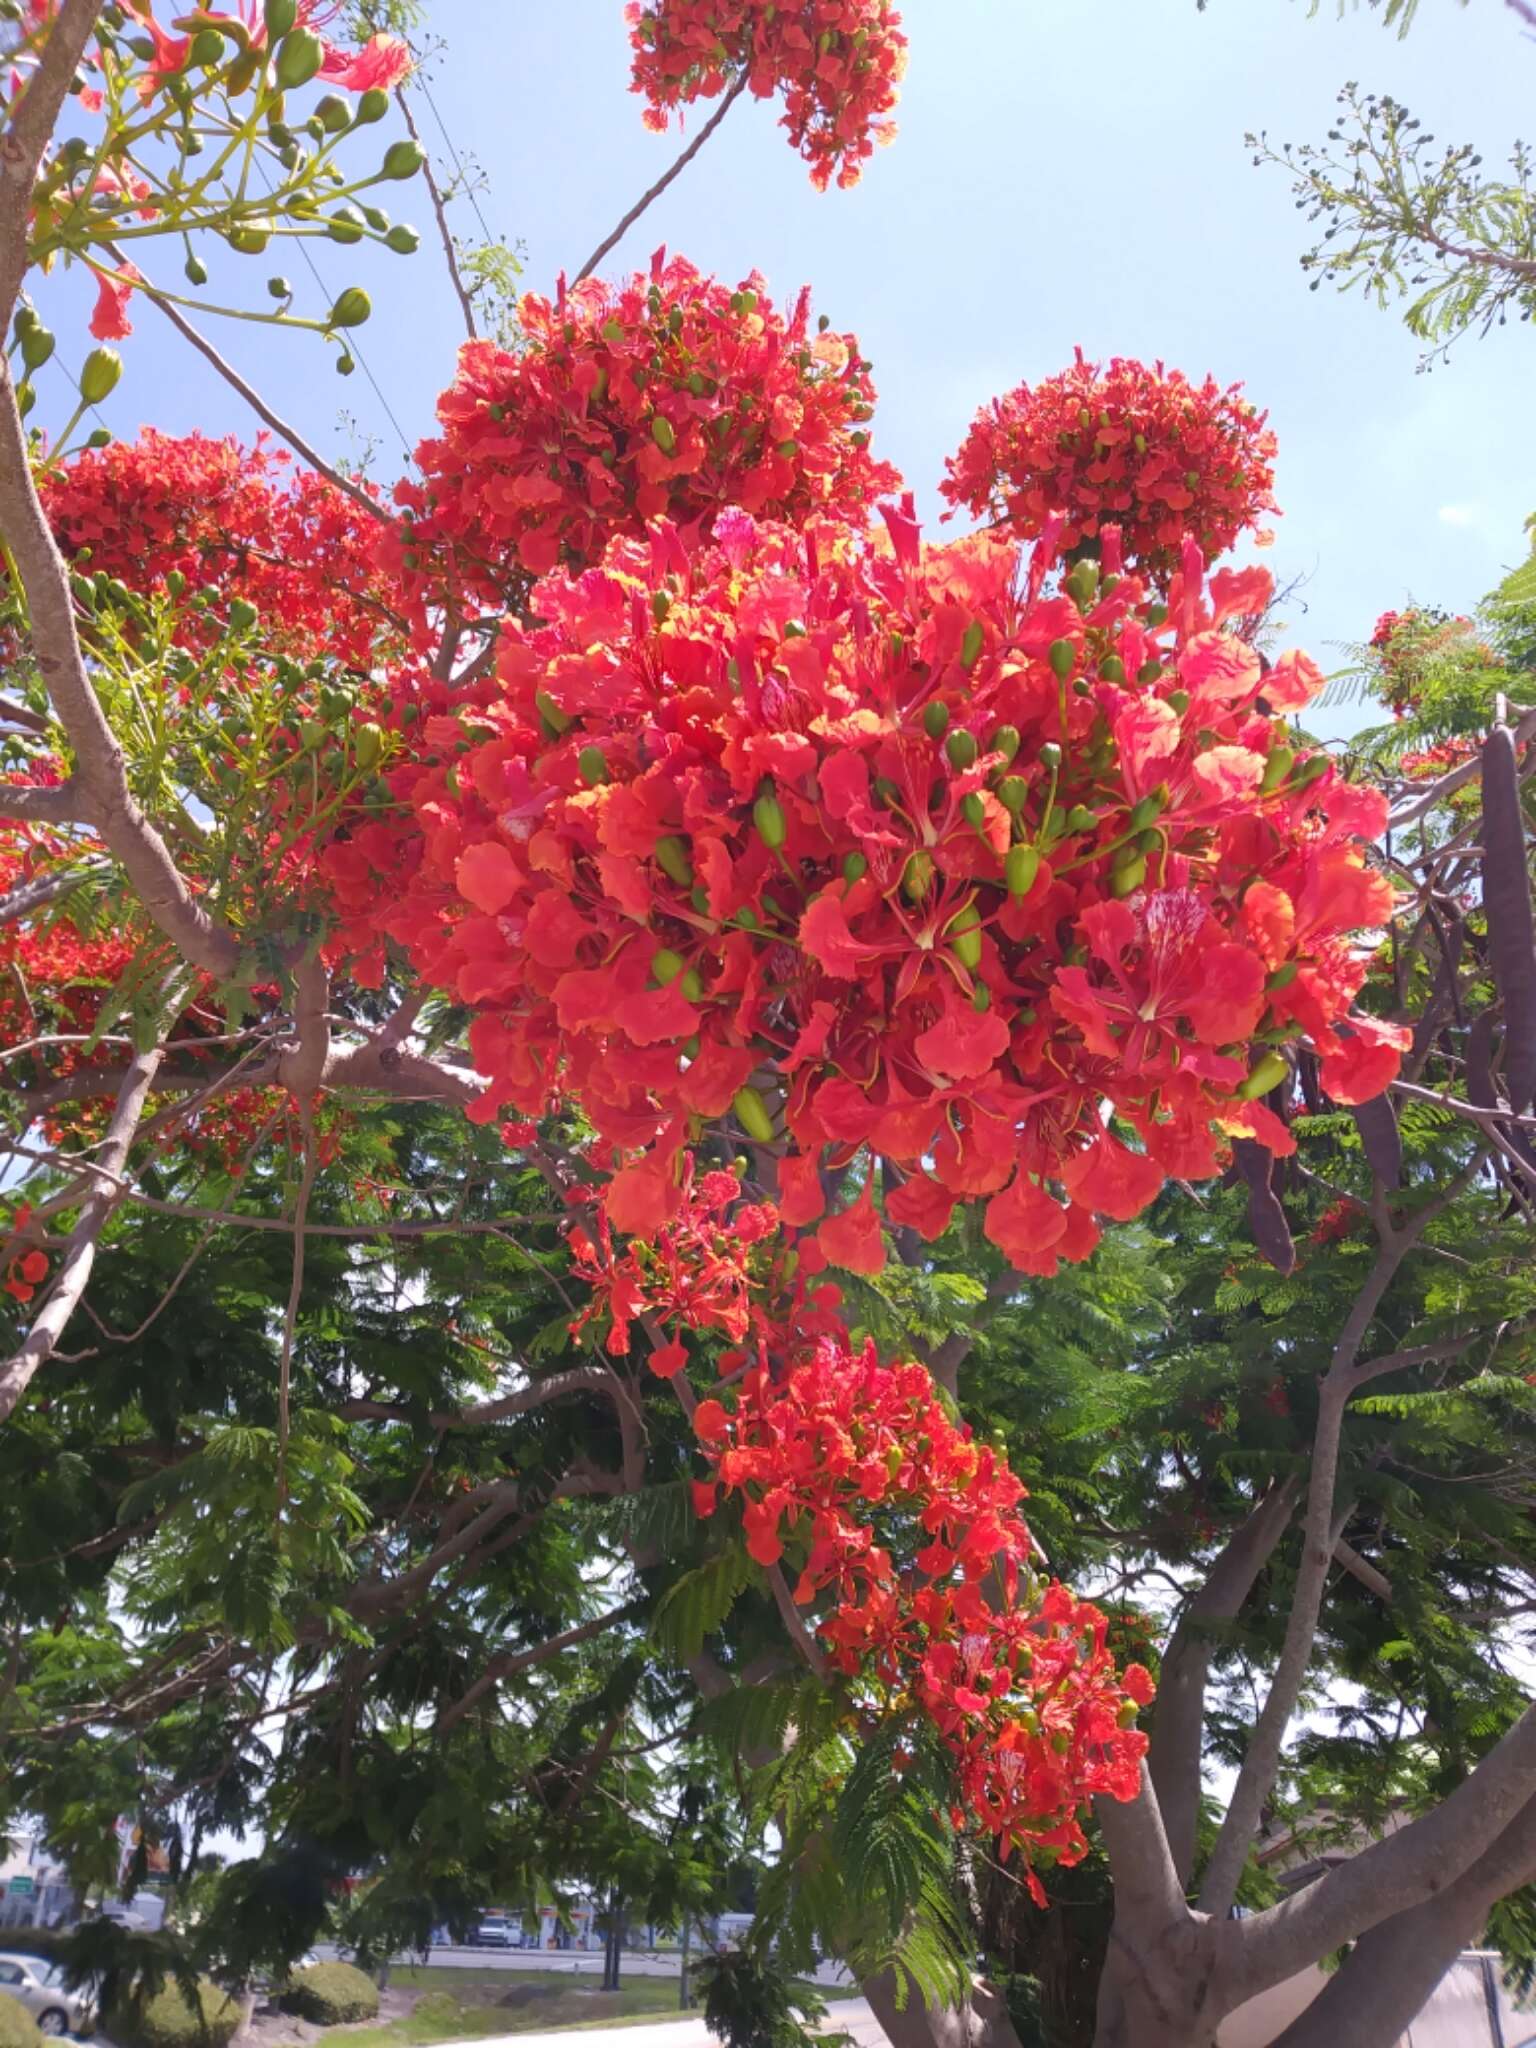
[580, 1962]
[852, 2015]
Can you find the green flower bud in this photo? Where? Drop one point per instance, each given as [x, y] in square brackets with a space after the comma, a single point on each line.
[1020, 869]
[351, 309]
[36, 345]
[1149, 809]
[752, 1115]
[971, 645]
[673, 860]
[935, 719]
[663, 435]
[1267, 1072]
[1179, 699]
[403, 239]
[768, 816]
[1081, 819]
[1063, 659]
[242, 615]
[1005, 741]
[964, 936]
[279, 288]
[99, 375]
[403, 159]
[974, 809]
[661, 606]
[373, 106]
[207, 49]
[1128, 877]
[855, 867]
[1112, 669]
[1013, 793]
[1284, 974]
[175, 583]
[593, 763]
[961, 749]
[666, 966]
[917, 877]
[367, 746]
[550, 712]
[1050, 755]
[299, 56]
[333, 114]
[1083, 583]
[311, 734]
[280, 16]
[981, 998]
[345, 225]
[1277, 768]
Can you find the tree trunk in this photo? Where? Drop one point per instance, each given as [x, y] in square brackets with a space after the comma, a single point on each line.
[1156, 1992]
[984, 2023]
[682, 1979]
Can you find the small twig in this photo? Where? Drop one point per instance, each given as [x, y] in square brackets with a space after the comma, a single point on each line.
[440, 208]
[646, 198]
[259, 406]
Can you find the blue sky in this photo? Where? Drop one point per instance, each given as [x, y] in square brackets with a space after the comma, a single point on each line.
[1067, 171]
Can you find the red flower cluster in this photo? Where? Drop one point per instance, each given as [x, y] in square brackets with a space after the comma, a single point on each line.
[169, 514]
[1414, 645]
[27, 1268]
[668, 397]
[938, 1604]
[693, 1273]
[1139, 447]
[875, 841]
[838, 63]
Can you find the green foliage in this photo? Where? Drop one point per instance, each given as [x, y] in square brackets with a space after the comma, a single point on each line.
[169, 2018]
[1403, 220]
[749, 2002]
[331, 1994]
[18, 2029]
[697, 1604]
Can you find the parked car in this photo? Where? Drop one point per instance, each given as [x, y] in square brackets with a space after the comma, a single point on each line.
[40, 1987]
[496, 1930]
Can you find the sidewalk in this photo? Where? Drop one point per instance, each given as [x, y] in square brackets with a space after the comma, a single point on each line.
[851, 2015]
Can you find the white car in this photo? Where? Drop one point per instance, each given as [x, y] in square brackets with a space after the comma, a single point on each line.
[40, 1987]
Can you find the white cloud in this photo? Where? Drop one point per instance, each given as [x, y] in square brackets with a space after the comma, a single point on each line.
[1458, 515]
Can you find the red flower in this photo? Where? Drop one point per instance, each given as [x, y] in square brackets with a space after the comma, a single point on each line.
[838, 63]
[110, 322]
[382, 63]
[852, 1239]
[1138, 448]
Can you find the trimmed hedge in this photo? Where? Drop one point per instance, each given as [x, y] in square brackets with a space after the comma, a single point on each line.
[332, 1995]
[167, 2020]
[18, 2029]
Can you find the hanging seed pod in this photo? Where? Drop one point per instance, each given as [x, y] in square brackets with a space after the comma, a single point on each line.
[1376, 1122]
[1266, 1217]
[1511, 928]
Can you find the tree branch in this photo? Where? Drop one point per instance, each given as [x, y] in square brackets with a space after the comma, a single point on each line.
[1178, 1722]
[1402, 1871]
[509, 1662]
[440, 209]
[205, 348]
[31, 803]
[605, 247]
[27, 134]
[43, 890]
[79, 1253]
[99, 773]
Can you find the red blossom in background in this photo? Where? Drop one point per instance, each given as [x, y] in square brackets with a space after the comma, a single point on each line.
[1136, 446]
[672, 396]
[242, 520]
[941, 1607]
[1411, 646]
[837, 62]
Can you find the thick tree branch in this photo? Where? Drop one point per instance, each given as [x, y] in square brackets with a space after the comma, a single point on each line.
[1178, 1723]
[1261, 1762]
[603, 248]
[79, 1254]
[27, 134]
[99, 773]
[31, 803]
[45, 889]
[1386, 1982]
[1402, 1871]
[557, 1386]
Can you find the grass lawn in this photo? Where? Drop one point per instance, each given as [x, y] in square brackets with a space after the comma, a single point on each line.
[459, 2005]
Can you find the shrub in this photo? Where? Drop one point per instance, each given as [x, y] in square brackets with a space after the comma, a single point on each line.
[167, 2019]
[18, 2029]
[332, 1994]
